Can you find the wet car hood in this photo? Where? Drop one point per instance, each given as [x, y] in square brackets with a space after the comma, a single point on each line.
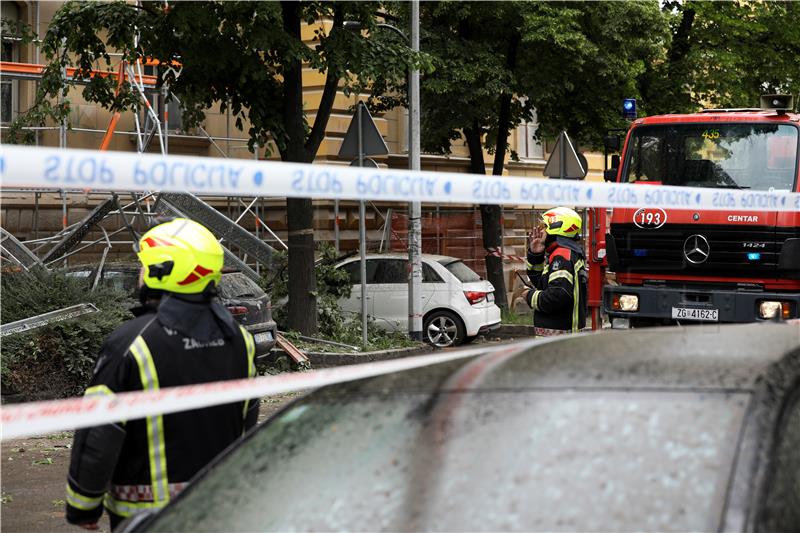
[610, 431]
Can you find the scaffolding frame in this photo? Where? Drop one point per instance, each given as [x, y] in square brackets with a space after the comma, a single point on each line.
[151, 126]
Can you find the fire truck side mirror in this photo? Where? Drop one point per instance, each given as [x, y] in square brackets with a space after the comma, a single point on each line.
[611, 173]
[612, 143]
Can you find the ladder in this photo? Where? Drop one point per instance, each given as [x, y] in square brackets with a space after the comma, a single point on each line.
[79, 231]
[18, 251]
[165, 208]
[223, 227]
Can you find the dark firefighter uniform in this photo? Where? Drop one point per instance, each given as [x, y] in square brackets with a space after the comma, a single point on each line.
[560, 279]
[138, 464]
[189, 338]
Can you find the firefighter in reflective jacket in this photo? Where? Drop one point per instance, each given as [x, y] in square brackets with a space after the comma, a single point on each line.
[186, 338]
[557, 268]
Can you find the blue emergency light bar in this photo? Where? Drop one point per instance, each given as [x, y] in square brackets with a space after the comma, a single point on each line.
[754, 256]
[629, 108]
[640, 252]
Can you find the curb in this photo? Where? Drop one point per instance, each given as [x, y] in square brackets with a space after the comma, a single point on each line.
[513, 331]
[330, 359]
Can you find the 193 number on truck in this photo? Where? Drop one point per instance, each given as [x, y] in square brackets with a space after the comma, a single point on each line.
[649, 218]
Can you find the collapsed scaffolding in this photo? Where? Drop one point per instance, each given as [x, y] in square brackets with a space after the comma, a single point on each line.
[148, 128]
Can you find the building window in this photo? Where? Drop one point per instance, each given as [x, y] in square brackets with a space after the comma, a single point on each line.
[527, 145]
[174, 111]
[9, 89]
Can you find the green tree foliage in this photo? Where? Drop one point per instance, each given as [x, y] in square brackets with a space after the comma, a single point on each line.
[54, 361]
[245, 55]
[497, 62]
[724, 54]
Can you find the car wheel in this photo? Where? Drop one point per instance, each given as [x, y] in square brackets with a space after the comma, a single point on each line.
[443, 329]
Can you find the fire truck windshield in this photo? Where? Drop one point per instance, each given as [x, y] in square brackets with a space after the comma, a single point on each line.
[733, 155]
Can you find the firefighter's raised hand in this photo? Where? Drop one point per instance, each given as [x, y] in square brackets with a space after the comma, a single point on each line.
[536, 240]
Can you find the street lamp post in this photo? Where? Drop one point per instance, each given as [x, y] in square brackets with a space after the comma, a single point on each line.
[414, 208]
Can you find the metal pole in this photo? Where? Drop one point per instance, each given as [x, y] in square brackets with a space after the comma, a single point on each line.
[336, 225]
[258, 233]
[36, 60]
[415, 208]
[36, 203]
[36, 31]
[165, 93]
[62, 131]
[228, 128]
[64, 215]
[362, 234]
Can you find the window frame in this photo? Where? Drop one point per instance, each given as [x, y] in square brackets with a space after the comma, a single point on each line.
[11, 83]
[382, 267]
[370, 278]
[526, 142]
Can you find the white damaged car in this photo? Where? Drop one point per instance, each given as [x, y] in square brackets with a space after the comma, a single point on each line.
[457, 305]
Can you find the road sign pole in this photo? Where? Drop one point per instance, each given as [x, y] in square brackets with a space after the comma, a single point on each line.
[362, 232]
[362, 139]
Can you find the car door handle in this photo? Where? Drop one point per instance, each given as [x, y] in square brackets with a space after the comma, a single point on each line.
[367, 298]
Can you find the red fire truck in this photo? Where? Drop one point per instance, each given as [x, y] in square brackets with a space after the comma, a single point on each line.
[684, 266]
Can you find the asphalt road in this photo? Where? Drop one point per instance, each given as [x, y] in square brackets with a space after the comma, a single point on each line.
[33, 476]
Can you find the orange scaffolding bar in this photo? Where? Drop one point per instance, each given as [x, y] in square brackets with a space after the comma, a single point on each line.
[115, 118]
[31, 71]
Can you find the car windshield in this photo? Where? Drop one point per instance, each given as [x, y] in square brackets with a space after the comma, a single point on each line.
[739, 156]
[462, 272]
[237, 285]
[123, 280]
[78, 273]
[526, 460]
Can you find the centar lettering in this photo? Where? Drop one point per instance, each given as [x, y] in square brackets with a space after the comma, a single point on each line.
[742, 218]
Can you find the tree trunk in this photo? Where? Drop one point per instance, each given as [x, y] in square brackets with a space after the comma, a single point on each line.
[302, 279]
[493, 239]
[490, 219]
[681, 41]
[491, 215]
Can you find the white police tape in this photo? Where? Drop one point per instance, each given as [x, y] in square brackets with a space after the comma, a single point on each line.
[38, 167]
[37, 418]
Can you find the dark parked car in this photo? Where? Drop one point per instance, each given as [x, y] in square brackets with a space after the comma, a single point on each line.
[246, 301]
[694, 429]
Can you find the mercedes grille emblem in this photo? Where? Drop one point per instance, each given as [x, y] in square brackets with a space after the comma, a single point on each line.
[696, 249]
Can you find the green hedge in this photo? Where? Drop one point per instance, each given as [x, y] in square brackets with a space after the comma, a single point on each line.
[54, 361]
